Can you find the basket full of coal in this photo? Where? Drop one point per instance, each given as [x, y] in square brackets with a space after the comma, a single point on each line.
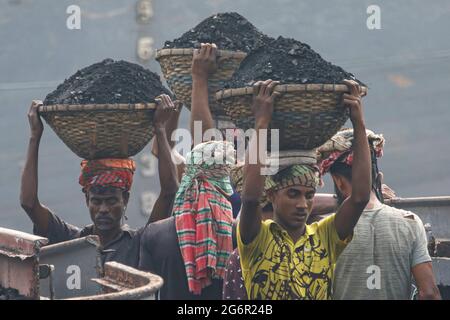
[309, 110]
[105, 110]
[234, 36]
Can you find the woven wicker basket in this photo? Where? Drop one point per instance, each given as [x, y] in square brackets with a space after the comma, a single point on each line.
[307, 115]
[98, 131]
[176, 68]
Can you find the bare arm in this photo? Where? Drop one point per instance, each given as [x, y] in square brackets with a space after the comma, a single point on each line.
[29, 201]
[171, 126]
[352, 207]
[203, 64]
[166, 167]
[425, 281]
[250, 221]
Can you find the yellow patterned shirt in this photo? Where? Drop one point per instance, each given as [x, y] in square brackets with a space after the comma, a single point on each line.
[274, 268]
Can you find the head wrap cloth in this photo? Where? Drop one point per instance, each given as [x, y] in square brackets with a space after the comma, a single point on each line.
[116, 173]
[339, 148]
[203, 213]
[298, 174]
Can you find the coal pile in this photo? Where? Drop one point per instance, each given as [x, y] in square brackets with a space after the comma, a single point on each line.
[10, 294]
[290, 62]
[108, 82]
[229, 31]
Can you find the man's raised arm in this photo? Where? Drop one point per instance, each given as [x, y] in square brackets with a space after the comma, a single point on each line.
[352, 208]
[203, 65]
[250, 220]
[29, 201]
[166, 167]
[171, 126]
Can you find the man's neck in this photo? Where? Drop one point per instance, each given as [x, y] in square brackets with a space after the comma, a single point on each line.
[373, 202]
[296, 233]
[107, 236]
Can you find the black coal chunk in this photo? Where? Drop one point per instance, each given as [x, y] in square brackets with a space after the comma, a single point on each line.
[108, 82]
[229, 31]
[288, 61]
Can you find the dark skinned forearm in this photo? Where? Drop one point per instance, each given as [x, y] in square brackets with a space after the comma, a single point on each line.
[425, 281]
[200, 106]
[250, 220]
[171, 126]
[167, 178]
[361, 168]
[262, 108]
[29, 189]
[352, 208]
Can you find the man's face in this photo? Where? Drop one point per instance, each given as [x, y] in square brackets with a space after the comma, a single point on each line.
[106, 208]
[292, 206]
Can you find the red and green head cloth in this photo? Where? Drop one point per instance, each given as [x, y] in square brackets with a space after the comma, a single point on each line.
[339, 148]
[203, 213]
[116, 173]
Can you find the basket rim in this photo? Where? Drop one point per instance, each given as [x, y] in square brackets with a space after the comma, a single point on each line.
[283, 88]
[97, 107]
[189, 51]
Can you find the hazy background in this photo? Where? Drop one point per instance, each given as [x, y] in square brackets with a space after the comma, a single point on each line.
[406, 65]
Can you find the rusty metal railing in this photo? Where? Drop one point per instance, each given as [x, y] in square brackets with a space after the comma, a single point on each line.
[19, 261]
[20, 269]
[121, 282]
